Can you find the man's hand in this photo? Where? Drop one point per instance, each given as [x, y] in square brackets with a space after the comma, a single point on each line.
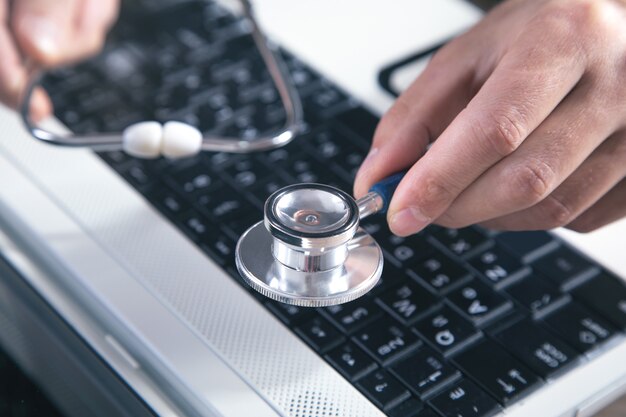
[48, 33]
[527, 115]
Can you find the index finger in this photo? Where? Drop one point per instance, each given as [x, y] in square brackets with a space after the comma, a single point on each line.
[525, 87]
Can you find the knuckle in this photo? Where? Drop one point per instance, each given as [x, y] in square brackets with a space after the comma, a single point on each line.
[555, 212]
[434, 196]
[567, 19]
[531, 182]
[503, 132]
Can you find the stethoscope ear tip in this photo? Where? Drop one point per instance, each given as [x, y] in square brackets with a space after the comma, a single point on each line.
[151, 139]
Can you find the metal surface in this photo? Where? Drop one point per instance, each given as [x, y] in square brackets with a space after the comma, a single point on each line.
[112, 141]
[311, 216]
[308, 250]
[359, 273]
[370, 203]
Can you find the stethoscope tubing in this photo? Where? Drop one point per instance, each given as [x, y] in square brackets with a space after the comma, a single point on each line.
[114, 141]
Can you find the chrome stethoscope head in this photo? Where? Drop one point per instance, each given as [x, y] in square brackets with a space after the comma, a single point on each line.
[309, 250]
[151, 139]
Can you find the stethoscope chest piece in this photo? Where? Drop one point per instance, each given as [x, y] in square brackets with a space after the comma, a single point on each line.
[309, 250]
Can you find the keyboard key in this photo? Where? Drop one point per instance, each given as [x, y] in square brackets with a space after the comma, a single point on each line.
[425, 372]
[383, 389]
[566, 268]
[360, 121]
[405, 250]
[114, 157]
[440, 272]
[385, 340]
[319, 334]
[605, 294]
[478, 302]
[464, 399]
[223, 210]
[169, 202]
[528, 246]
[498, 372]
[537, 295]
[196, 225]
[408, 302]
[407, 408]
[287, 313]
[220, 247]
[137, 173]
[351, 160]
[447, 331]
[542, 352]
[247, 172]
[264, 189]
[303, 168]
[353, 315]
[327, 143]
[391, 276]
[193, 179]
[427, 412]
[461, 242]
[351, 361]
[579, 327]
[499, 267]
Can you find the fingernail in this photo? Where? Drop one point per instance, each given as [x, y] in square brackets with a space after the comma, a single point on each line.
[408, 221]
[44, 34]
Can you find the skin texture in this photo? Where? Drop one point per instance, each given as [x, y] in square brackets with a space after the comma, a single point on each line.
[47, 33]
[526, 118]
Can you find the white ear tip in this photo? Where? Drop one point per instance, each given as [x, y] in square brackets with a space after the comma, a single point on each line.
[143, 139]
[180, 140]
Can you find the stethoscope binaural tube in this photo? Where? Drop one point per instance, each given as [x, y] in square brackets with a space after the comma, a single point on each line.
[151, 139]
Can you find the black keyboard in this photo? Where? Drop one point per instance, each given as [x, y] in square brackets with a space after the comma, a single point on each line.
[463, 323]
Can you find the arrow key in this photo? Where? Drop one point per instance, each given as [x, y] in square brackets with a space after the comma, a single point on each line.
[579, 327]
[498, 372]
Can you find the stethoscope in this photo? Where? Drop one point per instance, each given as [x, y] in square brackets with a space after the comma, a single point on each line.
[151, 139]
[309, 250]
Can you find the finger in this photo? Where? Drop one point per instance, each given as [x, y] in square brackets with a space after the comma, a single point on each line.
[608, 209]
[524, 89]
[45, 30]
[13, 75]
[419, 114]
[41, 105]
[549, 156]
[93, 20]
[600, 173]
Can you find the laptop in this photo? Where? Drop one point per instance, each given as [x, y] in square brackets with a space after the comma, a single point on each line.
[136, 256]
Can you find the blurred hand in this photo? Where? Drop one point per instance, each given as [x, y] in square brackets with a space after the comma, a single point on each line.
[527, 115]
[49, 33]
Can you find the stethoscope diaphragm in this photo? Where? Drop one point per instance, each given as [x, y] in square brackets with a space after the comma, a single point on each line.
[309, 250]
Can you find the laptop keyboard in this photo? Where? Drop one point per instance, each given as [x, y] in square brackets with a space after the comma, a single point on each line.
[463, 323]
